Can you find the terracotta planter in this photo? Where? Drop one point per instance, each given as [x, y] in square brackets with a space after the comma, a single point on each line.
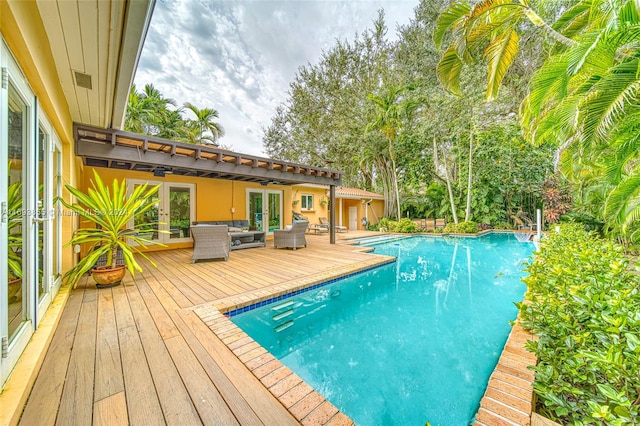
[106, 277]
[15, 285]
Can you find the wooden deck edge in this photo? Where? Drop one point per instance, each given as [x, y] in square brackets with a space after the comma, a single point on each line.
[18, 387]
[256, 296]
[509, 397]
[307, 405]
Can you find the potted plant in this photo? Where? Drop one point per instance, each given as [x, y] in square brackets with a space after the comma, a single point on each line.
[324, 202]
[110, 211]
[14, 220]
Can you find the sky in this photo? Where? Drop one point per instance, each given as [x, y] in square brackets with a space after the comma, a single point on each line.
[238, 57]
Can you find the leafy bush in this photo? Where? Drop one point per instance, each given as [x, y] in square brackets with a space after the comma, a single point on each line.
[373, 227]
[461, 228]
[386, 224]
[503, 225]
[484, 226]
[406, 225]
[585, 309]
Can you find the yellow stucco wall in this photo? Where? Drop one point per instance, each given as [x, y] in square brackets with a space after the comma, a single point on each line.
[342, 205]
[24, 34]
[214, 197]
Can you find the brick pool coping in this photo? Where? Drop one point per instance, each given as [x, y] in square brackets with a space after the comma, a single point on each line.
[508, 398]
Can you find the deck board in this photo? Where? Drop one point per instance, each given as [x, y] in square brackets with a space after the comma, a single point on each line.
[47, 391]
[137, 354]
[76, 406]
[108, 380]
[141, 397]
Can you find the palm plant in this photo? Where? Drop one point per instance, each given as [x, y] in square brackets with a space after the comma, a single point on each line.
[391, 111]
[203, 128]
[584, 97]
[14, 219]
[110, 210]
[147, 112]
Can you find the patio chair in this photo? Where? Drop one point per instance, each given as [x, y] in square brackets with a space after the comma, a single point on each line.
[292, 237]
[210, 242]
[440, 223]
[324, 222]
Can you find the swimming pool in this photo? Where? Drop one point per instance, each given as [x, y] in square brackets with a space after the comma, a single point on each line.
[408, 342]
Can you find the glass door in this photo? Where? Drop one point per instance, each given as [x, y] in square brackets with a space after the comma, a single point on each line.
[179, 207]
[274, 210]
[172, 215]
[255, 207]
[149, 222]
[264, 209]
[18, 195]
[16, 221]
[48, 261]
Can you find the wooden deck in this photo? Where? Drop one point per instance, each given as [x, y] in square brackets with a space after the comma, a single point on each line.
[139, 354]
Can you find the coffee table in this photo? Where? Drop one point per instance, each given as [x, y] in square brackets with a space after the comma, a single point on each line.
[248, 239]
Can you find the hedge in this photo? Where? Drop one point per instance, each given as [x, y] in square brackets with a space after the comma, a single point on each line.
[585, 309]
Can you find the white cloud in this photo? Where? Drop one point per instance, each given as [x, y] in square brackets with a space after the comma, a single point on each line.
[239, 57]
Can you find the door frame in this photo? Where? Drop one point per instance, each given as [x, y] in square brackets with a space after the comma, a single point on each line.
[265, 206]
[11, 350]
[50, 217]
[164, 206]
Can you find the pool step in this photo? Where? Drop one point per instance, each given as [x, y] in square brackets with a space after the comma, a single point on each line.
[283, 326]
[278, 317]
[282, 305]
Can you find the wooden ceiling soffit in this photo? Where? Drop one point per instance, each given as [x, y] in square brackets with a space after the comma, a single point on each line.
[129, 151]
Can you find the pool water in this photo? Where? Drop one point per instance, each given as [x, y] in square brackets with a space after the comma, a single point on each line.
[405, 343]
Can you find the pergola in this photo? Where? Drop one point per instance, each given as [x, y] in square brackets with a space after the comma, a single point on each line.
[116, 149]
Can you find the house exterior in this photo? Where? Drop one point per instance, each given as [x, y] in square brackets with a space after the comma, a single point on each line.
[61, 62]
[67, 68]
[354, 207]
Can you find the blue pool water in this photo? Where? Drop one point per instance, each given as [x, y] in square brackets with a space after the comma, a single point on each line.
[406, 343]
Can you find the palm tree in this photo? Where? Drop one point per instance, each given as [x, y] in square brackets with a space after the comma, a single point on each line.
[147, 110]
[391, 111]
[584, 97]
[203, 128]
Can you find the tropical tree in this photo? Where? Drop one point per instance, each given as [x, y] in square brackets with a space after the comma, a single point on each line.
[146, 110]
[203, 129]
[150, 113]
[583, 98]
[391, 112]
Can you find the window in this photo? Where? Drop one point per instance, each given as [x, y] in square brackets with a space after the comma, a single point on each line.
[307, 202]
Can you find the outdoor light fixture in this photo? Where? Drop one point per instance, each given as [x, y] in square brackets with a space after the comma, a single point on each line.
[264, 183]
[161, 171]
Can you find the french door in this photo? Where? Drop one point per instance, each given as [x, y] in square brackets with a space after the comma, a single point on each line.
[264, 209]
[173, 214]
[30, 245]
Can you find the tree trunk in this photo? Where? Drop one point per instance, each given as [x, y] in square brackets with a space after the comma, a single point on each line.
[447, 179]
[114, 257]
[467, 215]
[394, 177]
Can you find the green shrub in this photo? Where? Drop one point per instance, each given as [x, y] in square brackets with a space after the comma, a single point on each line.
[406, 225]
[385, 224]
[461, 228]
[468, 227]
[585, 309]
[373, 227]
[503, 225]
